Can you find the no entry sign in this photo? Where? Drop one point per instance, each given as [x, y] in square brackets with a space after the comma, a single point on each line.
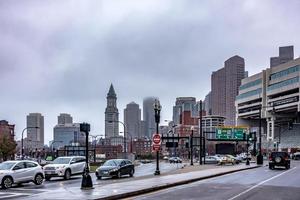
[156, 142]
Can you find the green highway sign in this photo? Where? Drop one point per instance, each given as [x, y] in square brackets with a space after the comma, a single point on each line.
[230, 133]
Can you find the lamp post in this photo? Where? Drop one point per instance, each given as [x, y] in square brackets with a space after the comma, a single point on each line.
[247, 160]
[191, 144]
[201, 135]
[157, 109]
[22, 142]
[87, 182]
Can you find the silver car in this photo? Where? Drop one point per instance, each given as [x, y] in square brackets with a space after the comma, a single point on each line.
[20, 171]
[65, 167]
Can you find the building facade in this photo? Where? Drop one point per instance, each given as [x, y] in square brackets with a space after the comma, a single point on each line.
[224, 88]
[272, 96]
[207, 104]
[132, 120]
[64, 118]
[36, 135]
[148, 116]
[286, 54]
[7, 129]
[111, 114]
[184, 104]
[67, 134]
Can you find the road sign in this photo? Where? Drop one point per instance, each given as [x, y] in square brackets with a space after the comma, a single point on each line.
[156, 139]
[230, 133]
[156, 142]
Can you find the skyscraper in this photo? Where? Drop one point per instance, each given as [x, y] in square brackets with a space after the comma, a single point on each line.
[64, 118]
[207, 104]
[148, 116]
[35, 135]
[183, 104]
[132, 119]
[224, 88]
[111, 114]
[285, 54]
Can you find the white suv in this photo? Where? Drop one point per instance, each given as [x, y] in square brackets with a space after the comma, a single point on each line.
[20, 171]
[65, 167]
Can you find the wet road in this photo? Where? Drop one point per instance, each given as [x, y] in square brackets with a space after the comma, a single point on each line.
[256, 184]
[55, 183]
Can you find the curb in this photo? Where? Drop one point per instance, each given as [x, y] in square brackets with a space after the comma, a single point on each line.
[161, 187]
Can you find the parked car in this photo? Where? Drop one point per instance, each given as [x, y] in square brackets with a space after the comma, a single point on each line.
[65, 167]
[20, 171]
[175, 160]
[115, 168]
[227, 160]
[212, 159]
[296, 156]
[279, 159]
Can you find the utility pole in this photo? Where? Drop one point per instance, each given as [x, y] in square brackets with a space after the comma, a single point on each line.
[201, 135]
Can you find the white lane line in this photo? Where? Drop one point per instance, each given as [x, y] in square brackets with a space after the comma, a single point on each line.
[255, 186]
[11, 195]
[30, 189]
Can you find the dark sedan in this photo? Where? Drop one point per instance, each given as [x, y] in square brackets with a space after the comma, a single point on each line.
[115, 168]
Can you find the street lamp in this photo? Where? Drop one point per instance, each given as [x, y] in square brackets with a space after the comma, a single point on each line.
[191, 144]
[157, 109]
[124, 138]
[86, 182]
[22, 142]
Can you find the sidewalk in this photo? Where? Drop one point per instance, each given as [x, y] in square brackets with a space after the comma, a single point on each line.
[135, 187]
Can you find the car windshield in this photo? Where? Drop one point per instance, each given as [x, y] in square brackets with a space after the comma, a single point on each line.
[110, 163]
[6, 165]
[61, 161]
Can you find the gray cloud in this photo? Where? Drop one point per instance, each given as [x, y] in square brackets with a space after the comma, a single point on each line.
[61, 56]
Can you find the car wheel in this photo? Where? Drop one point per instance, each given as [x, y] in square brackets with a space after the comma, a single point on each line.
[131, 173]
[67, 174]
[119, 174]
[38, 179]
[47, 178]
[99, 177]
[7, 182]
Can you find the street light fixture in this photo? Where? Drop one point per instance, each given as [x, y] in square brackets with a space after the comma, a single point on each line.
[157, 109]
[22, 142]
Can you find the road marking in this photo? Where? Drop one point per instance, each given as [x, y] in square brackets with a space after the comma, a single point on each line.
[30, 189]
[10, 195]
[255, 186]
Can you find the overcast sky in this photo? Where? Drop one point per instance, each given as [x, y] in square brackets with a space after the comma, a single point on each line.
[61, 56]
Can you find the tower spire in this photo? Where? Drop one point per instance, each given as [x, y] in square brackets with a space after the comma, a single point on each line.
[111, 92]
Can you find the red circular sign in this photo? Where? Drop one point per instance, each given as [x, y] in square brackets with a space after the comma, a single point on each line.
[156, 139]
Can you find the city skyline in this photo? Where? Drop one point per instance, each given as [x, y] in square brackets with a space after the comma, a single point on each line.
[67, 59]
